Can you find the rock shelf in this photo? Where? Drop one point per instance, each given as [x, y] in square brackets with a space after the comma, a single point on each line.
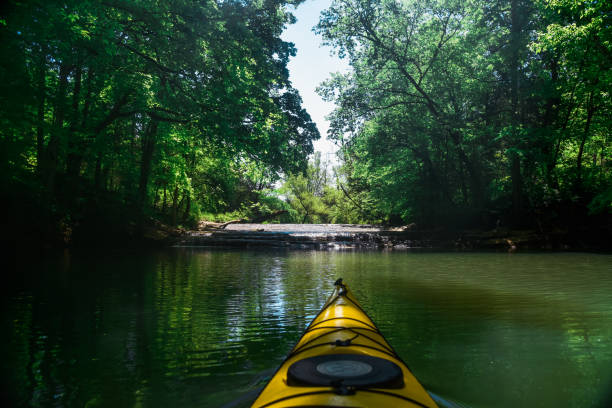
[340, 236]
[305, 236]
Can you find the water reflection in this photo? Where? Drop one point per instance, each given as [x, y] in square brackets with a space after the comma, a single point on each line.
[192, 327]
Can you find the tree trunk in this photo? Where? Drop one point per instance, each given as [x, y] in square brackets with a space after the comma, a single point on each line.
[517, 186]
[148, 148]
[590, 111]
[114, 113]
[59, 111]
[551, 114]
[553, 163]
[77, 159]
[515, 160]
[98, 172]
[73, 161]
[155, 194]
[87, 104]
[40, 115]
[187, 207]
[175, 206]
[473, 170]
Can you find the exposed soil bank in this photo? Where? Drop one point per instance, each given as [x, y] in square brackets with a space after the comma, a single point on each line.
[328, 236]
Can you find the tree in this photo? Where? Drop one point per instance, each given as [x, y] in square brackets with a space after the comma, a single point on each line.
[119, 99]
[575, 38]
[454, 111]
[412, 70]
[305, 192]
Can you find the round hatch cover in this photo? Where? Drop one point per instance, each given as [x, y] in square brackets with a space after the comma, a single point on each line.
[344, 368]
[347, 369]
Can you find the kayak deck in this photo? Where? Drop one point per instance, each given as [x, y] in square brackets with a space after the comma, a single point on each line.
[343, 360]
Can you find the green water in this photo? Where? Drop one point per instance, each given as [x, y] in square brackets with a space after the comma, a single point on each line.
[197, 328]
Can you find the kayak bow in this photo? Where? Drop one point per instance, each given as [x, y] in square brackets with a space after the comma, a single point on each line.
[343, 360]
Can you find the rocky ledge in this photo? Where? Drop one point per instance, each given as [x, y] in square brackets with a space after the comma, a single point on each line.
[338, 236]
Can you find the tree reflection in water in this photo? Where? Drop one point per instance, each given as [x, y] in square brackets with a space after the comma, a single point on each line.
[190, 327]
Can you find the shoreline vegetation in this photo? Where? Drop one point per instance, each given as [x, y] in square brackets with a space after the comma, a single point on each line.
[482, 125]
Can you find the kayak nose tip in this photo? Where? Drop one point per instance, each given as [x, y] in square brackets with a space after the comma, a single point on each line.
[342, 287]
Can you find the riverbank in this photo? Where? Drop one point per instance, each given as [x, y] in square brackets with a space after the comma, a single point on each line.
[154, 234]
[346, 236]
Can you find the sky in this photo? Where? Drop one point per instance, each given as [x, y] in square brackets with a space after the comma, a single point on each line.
[311, 66]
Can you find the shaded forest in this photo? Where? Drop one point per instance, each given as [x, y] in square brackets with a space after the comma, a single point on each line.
[474, 113]
[118, 115]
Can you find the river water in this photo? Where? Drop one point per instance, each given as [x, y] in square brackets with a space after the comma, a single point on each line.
[202, 328]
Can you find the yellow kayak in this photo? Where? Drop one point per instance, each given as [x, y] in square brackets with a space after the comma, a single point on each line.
[343, 360]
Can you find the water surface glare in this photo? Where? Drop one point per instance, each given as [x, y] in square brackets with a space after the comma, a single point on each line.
[197, 328]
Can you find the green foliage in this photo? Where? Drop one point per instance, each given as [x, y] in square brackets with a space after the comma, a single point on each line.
[313, 197]
[602, 203]
[463, 113]
[175, 107]
[305, 193]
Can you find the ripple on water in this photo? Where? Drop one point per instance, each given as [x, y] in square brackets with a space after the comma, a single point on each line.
[195, 327]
